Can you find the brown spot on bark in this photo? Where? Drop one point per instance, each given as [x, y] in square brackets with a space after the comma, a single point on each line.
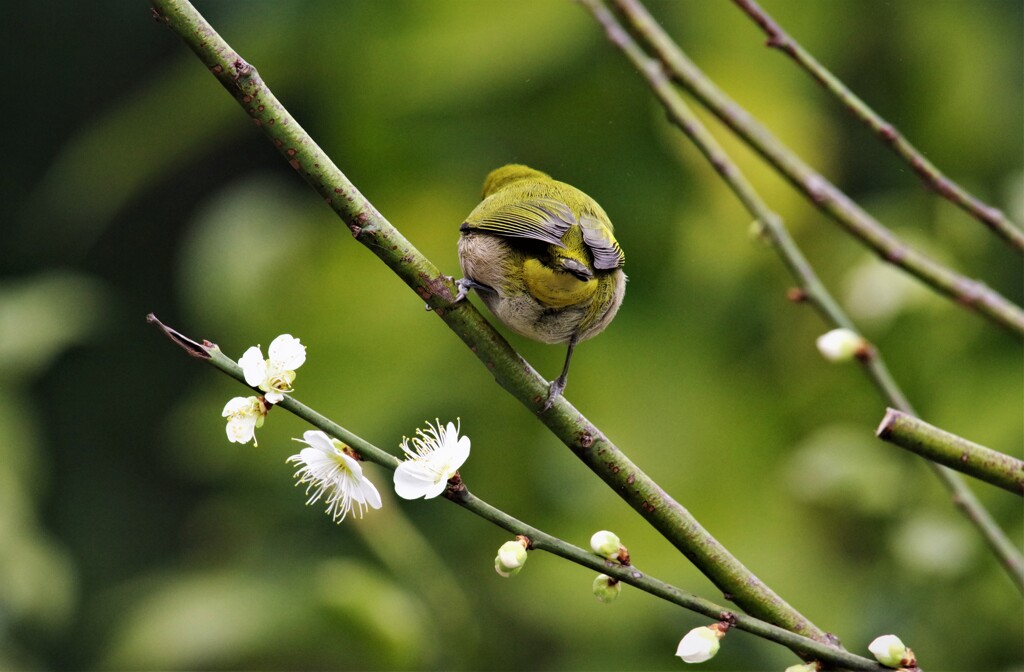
[796, 294]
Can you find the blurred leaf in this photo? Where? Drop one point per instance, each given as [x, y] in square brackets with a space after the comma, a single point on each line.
[42, 315]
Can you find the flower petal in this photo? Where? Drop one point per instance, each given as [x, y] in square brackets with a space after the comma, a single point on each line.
[254, 367]
[410, 482]
[241, 429]
[287, 352]
[370, 495]
[436, 488]
[314, 438]
[235, 405]
[460, 453]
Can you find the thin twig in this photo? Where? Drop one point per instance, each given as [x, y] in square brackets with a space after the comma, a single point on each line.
[955, 452]
[811, 288]
[539, 540]
[930, 175]
[510, 370]
[965, 291]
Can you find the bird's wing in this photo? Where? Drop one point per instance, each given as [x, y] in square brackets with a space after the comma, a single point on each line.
[535, 218]
[599, 238]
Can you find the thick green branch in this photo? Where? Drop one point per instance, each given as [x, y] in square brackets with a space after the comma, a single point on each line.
[822, 193]
[513, 373]
[932, 177]
[955, 452]
[539, 540]
[811, 288]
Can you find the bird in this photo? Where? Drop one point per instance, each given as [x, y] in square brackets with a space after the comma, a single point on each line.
[543, 258]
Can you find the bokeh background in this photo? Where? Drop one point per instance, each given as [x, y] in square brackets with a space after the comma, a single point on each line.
[134, 536]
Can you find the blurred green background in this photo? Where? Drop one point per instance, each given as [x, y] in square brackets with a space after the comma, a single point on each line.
[134, 536]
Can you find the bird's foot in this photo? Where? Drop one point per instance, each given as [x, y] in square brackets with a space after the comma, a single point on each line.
[554, 391]
[465, 284]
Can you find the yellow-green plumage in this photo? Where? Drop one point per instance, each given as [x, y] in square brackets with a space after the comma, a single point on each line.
[543, 257]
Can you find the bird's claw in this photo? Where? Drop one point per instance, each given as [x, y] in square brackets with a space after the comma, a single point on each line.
[464, 285]
[554, 391]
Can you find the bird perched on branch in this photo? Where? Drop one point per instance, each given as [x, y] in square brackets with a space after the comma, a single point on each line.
[543, 256]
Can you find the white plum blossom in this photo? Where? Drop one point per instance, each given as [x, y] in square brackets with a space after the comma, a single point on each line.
[275, 374]
[700, 644]
[434, 457]
[245, 415]
[334, 475]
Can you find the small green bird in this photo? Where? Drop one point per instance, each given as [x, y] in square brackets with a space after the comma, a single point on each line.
[542, 255]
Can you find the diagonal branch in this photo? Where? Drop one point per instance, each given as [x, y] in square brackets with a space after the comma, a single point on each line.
[510, 370]
[965, 291]
[955, 452]
[932, 177]
[811, 288]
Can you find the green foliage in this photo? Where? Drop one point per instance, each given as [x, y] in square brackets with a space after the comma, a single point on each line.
[135, 536]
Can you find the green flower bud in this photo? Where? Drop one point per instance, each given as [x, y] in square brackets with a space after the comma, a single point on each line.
[606, 544]
[606, 589]
[841, 345]
[700, 644]
[510, 559]
[503, 572]
[891, 652]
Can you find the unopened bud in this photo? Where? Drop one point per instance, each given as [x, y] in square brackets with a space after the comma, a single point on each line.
[700, 644]
[606, 589]
[841, 345]
[891, 652]
[606, 544]
[510, 559]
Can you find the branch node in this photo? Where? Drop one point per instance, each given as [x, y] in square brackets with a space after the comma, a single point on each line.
[888, 133]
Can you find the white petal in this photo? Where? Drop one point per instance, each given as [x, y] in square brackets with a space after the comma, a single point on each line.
[319, 440]
[273, 397]
[450, 433]
[436, 488]
[236, 405]
[254, 367]
[409, 481]
[370, 495]
[360, 489]
[287, 352]
[241, 429]
[460, 453]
